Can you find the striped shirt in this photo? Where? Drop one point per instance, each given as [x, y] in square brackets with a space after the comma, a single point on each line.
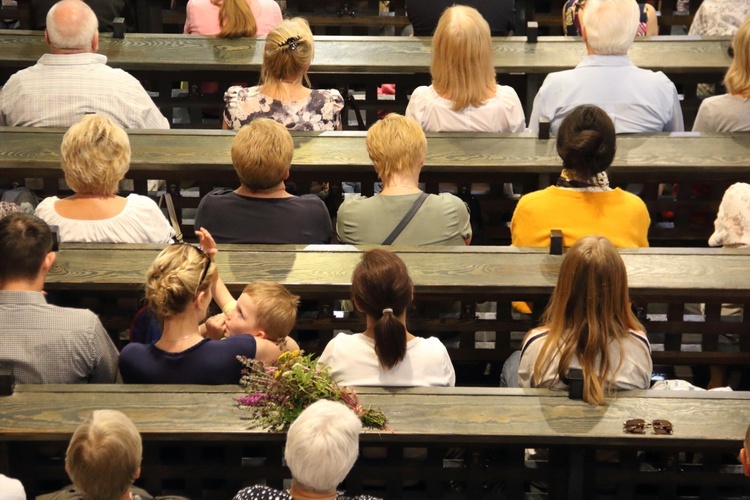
[48, 344]
[60, 88]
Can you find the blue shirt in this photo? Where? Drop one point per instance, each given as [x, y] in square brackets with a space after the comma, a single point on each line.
[637, 100]
[209, 362]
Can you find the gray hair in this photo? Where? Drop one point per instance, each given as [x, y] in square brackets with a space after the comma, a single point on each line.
[610, 25]
[71, 25]
[322, 445]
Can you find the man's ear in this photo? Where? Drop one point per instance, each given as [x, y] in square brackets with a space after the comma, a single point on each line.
[95, 42]
[46, 38]
[47, 262]
[286, 175]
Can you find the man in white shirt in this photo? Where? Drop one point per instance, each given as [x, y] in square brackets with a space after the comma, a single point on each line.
[636, 99]
[74, 80]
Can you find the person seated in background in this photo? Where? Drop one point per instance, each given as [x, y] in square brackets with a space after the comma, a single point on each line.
[424, 15]
[464, 95]
[589, 325]
[74, 80]
[178, 290]
[261, 210]
[744, 457]
[732, 224]
[103, 460]
[386, 354]
[11, 489]
[582, 202]
[636, 99]
[719, 17]
[287, 55]
[397, 147]
[231, 18]
[45, 344]
[106, 11]
[648, 25]
[95, 157]
[730, 112]
[321, 448]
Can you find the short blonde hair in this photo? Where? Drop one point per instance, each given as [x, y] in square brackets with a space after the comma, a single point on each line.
[275, 308]
[95, 155]
[104, 455]
[396, 145]
[610, 25]
[284, 59]
[737, 79]
[262, 153]
[176, 277]
[462, 67]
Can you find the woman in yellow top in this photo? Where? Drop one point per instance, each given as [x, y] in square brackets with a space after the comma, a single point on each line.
[582, 202]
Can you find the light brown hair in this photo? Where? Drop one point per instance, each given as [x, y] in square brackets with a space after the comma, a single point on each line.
[462, 67]
[396, 145]
[275, 308]
[235, 18]
[589, 309]
[737, 79]
[282, 60]
[262, 153]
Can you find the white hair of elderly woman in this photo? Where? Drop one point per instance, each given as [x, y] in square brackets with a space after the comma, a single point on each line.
[322, 446]
[71, 25]
[610, 25]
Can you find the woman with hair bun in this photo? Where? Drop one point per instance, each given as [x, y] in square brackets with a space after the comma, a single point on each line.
[588, 324]
[582, 202]
[231, 18]
[386, 354]
[464, 96]
[287, 55]
[179, 290]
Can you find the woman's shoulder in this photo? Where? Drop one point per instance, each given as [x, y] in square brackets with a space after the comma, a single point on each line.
[46, 207]
[240, 93]
[259, 492]
[448, 199]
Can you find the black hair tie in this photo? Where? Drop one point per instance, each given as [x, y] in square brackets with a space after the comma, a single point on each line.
[292, 42]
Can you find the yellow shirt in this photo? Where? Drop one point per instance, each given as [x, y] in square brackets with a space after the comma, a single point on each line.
[620, 216]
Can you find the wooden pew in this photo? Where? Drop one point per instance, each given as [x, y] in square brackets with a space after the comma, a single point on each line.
[109, 280]
[349, 63]
[196, 443]
[202, 157]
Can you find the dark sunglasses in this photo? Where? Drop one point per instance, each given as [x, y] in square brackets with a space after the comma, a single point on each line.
[206, 265]
[639, 426]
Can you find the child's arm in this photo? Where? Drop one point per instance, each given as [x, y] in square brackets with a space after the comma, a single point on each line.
[219, 290]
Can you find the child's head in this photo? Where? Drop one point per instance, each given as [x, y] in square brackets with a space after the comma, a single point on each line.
[265, 309]
[744, 453]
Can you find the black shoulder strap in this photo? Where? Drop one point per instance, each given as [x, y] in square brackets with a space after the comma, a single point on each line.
[407, 218]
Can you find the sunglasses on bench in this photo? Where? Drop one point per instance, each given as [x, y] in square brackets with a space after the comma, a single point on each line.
[639, 426]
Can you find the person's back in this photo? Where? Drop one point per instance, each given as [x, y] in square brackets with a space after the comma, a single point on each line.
[45, 344]
[203, 17]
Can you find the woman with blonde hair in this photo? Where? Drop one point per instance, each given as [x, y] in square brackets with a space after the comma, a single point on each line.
[231, 18]
[287, 55]
[178, 290]
[730, 112]
[464, 95]
[588, 324]
[95, 158]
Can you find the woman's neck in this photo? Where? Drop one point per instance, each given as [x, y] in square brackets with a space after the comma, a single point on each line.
[290, 90]
[401, 184]
[370, 330]
[299, 493]
[180, 332]
[278, 191]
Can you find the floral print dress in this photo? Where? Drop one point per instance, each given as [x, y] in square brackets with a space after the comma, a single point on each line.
[732, 225]
[321, 110]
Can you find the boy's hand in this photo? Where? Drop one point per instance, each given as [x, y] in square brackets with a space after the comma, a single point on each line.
[207, 242]
[216, 327]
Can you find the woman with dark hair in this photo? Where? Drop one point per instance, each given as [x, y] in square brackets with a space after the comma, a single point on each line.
[582, 202]
[386, 354]
[589, 325]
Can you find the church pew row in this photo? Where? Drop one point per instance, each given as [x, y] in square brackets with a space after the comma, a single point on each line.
[349, 63]
[109, 280]
[705, 165]
[196, 442]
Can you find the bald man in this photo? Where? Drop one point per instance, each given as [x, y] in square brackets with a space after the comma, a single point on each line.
[73, 80]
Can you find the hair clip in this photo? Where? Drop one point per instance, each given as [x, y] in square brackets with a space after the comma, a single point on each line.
[292, 42]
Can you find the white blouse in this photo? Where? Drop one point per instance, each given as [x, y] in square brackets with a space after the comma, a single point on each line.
[501, 113]
[141, 221]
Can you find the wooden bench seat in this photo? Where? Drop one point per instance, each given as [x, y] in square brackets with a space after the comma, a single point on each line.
[196, 443]
[202, 159]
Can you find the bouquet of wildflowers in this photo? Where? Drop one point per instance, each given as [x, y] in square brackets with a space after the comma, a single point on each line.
[277, 394]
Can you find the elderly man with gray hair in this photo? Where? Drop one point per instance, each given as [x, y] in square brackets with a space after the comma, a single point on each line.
[636, 99]
[73, 80]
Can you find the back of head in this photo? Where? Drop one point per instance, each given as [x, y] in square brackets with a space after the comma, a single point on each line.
[262, 154]
[176, 277]
[610, 25]
[95, 155]
[396, 145]
[382, 289]
[25, 241]
[236, 19]
[462, 65]
[275, 308]
[104, 455]
[588, 310]
[322, 446]
[71, 26]
[288, 51]
[586, 141]
[737, 79]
